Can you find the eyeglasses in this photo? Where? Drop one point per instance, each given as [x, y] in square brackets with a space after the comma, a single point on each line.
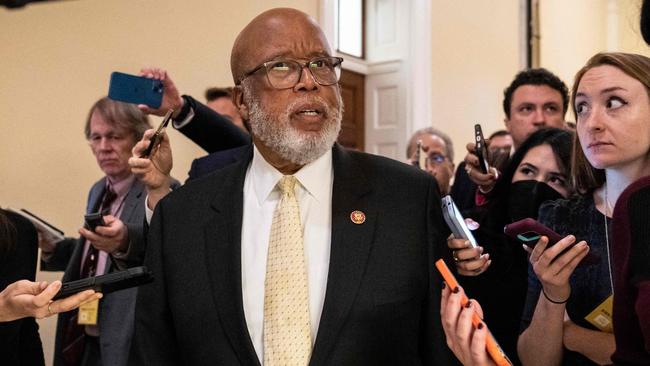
[285, 74]
[436, 159]
[432, 159]
[95, 139]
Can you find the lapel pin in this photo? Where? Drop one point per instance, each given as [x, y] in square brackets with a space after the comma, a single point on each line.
[358, 217]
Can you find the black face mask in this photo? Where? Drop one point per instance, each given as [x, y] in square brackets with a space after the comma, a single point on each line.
[526, 196]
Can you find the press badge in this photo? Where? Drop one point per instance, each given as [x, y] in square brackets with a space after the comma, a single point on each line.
[88, 313]
[601, 316]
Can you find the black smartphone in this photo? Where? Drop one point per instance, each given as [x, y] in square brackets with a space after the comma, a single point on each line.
[93, 220]
[107, 283]
[529, 231]
[135, 89]
[481, 149]
[455, 221]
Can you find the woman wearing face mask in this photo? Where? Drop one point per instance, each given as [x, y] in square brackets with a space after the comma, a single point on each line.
[612, 106]
[495, 274]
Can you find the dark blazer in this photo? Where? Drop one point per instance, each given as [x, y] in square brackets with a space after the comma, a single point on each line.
[19, 340]
[383, 294]
[212, 131]
[116, 310]
[215, 161]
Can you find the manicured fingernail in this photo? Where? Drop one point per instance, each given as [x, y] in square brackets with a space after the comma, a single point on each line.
[480, 326]
[468, 305]
[456, 290]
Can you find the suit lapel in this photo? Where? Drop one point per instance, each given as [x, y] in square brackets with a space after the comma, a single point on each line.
[223, 255]
[350, 248]
[133, 197]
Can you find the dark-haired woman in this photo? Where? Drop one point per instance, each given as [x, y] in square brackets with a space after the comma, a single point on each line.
[496, 274]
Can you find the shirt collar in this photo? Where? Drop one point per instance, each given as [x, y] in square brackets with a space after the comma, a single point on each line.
[122, 187]
[315, 177]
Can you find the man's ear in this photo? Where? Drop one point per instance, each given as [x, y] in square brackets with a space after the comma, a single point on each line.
[238, 100]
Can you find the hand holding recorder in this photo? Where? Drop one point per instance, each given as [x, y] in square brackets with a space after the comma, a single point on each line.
[461, 321]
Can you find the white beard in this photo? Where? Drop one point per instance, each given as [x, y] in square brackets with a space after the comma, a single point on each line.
[282, 138]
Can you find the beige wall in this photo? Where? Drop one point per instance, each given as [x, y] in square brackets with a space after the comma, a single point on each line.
[475, 54]
[56, 61]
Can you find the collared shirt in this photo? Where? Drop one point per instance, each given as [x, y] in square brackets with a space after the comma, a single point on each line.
[121, 189]
[261, 196]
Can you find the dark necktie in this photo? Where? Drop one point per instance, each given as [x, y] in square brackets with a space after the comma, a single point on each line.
[89, 268]
[73, 335]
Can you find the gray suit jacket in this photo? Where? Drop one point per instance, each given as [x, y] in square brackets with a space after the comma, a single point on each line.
[116, 310]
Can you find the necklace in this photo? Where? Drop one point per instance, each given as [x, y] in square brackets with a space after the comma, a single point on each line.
[609, 263]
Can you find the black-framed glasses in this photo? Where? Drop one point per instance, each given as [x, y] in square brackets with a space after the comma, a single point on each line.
[285, 74]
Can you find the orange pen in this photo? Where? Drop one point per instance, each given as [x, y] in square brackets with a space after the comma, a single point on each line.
[493, 348]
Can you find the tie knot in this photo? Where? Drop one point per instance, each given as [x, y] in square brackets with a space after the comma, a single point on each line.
[109, 198]
[287, 183]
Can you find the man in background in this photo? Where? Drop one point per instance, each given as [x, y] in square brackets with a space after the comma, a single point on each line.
[220, 100]
[439, 151]
[104, 338]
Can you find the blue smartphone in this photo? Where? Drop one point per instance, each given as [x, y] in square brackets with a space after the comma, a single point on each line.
[135, 89]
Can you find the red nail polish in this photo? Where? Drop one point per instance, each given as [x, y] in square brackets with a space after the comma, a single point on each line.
[456, 290]
[468, 305]
[480, 326]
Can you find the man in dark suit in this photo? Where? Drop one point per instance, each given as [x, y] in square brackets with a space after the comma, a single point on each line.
[370, 229]
[112, 129]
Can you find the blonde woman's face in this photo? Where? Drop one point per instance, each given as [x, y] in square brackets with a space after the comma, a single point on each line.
[613, 119]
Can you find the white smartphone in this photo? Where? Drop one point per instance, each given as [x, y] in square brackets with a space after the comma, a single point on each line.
[455, 221]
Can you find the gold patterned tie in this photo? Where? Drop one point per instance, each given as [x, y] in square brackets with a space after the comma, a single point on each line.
[287, 333]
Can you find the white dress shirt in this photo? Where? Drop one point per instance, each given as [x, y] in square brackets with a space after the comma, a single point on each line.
[314, 195]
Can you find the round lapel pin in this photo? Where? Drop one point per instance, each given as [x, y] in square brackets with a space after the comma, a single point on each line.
[358, 217]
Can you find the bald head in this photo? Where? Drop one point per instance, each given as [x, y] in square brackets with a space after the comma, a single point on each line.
[280, 32]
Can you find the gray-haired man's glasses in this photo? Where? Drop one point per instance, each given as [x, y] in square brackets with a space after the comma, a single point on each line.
[285, 74]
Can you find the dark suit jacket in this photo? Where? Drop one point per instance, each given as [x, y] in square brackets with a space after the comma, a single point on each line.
[212, 131]
[215, 161]
[382, 298]
[116, 310]
[19, 340]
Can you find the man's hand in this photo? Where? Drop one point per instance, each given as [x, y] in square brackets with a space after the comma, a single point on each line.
[171, 98]
[153, 172]
[485, 181]
[110, 238]
[34, 299]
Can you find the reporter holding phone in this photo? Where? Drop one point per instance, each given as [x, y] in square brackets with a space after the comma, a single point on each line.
[612, 107]
[112, 129]
[495, 274]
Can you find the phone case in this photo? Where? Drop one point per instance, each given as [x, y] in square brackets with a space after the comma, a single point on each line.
[455, 221]
[492, 346]
[135, 89]
[107, 283]
[481, 149]
[529, 231]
